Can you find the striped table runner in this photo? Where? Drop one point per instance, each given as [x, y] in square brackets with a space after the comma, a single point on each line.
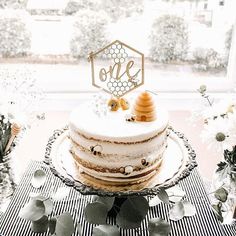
[204, 223]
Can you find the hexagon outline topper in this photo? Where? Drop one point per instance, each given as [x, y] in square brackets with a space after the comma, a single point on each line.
[117, 79]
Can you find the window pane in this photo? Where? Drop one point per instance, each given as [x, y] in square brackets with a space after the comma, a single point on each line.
[180, 38]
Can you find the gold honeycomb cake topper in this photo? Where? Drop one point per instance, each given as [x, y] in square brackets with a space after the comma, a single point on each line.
[120, 71]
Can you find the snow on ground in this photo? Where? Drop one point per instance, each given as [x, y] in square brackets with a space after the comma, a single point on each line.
[51, 36]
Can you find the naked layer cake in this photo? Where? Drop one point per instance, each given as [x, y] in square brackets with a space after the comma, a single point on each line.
[113, 152]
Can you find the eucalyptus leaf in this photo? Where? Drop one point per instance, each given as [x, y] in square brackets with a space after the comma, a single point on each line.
[221, 194]
[46, 201]
[202, 88]
[221, 166]
[175, 194]
[106, 230]
[218, 212]
[223, 173]
[38, 179]
[33, 210]
[132, 212]
[52, 225]
[189, 209]
[6, 137]
[154, 201]
[163, 196]
[65, 225]
[61, 193]
[40, 226]
[96, 213]
[48, 206]
[107, 201]
[158, 227]
[177, 211]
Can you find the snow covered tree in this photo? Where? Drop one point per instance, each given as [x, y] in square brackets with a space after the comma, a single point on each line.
[115, 9]
[13, 4]
[89, 32]
[120, 9]
[73, 6]
[15, 39]
[169, 39]
[207, 58]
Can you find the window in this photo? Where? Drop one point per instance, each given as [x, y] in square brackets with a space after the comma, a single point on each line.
[186, 43]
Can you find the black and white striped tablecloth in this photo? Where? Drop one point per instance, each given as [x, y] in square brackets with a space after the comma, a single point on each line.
[204, 223]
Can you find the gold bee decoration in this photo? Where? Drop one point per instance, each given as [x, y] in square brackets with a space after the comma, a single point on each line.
[128, 170]
[96, 150]
[116, 103]
[130, 118]
[124, 104]
[144, 162]
[113, 104]
[147, 160]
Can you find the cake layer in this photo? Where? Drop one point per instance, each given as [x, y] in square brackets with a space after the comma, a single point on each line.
[111, 186]
[113, 126]
[121, 181]
[109, 148]
[136, 175]
[115, 150]
[111, 163]
[115, 136]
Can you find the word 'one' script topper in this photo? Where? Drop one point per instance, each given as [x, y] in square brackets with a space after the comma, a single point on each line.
[117, 68]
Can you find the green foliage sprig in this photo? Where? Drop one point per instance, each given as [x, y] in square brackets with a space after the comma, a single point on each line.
[40, 208]
[38, 211]
[221, 194]
[129, 212]
[202, 90]
[228, 167]
[225, 169]
[5, 134]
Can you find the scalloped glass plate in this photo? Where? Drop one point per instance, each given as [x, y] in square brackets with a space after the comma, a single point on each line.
[178, 162]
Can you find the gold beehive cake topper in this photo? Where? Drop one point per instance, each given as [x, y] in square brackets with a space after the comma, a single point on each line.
[144, 108]
[124, 70]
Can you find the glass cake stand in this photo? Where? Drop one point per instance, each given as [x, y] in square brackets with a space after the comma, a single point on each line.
[178, 162]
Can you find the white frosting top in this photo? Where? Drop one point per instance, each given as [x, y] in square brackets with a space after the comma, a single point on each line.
[113, 126]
